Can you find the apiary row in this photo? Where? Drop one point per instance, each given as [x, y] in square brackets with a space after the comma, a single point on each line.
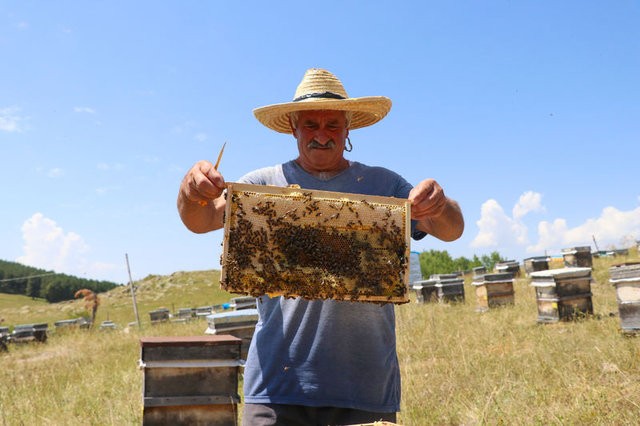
[561, 294]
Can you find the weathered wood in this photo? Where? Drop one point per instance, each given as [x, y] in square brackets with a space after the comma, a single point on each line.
[534, 264]
[192, 415]
[240, 324]
[577, 257]
[626, 279]
[159, 315]
[426, 291]
[190, 379]
[189, 348]
[508, 266]
[494, 290]
[562, 294]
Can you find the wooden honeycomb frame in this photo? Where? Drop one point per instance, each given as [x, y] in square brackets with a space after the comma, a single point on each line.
[294, 242]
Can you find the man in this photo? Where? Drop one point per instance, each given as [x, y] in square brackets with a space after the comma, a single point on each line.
[322, 362]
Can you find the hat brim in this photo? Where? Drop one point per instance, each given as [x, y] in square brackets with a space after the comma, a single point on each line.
[366, 111]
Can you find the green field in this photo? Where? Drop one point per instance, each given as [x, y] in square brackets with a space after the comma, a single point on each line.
[459, 366]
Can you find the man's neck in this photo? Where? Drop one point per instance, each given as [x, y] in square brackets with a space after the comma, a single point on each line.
[325, 174]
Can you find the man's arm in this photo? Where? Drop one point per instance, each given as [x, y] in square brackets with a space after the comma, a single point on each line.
[436, 214]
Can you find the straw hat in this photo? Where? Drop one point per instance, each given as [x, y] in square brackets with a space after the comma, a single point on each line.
[321, 90]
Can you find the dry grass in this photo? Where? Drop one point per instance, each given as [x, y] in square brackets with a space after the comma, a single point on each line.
[459, 366]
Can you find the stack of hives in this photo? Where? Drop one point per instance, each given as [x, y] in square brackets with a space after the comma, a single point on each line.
[577, 257]
[440, 288]
[626, 278]
[315, 244]
[508, 266]
[562, 293]
[190, 380]
[537, 263]
[493, 290]
[238, 323]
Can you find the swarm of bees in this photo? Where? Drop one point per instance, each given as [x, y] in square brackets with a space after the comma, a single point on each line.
[315, 244]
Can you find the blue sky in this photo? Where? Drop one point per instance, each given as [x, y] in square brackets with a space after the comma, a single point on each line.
[526, 112]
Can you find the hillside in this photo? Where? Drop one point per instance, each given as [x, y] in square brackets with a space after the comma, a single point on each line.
[178, 290]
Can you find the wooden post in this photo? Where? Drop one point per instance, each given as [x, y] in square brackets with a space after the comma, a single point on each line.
[133, 292]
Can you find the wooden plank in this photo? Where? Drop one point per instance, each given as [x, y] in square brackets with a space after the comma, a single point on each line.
[194, 415]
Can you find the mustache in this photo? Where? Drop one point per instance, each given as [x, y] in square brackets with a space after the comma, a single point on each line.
[315, 144]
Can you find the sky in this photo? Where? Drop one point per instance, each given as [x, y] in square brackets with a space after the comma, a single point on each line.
[526, 112]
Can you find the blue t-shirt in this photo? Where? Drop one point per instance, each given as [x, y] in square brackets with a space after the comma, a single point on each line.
[326, 352]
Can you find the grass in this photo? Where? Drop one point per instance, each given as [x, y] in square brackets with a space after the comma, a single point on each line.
[459, 366]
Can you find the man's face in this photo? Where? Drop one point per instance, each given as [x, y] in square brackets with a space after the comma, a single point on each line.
[321, 139]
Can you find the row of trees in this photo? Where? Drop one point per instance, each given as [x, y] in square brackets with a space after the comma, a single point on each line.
[440, 262]
[16, 278]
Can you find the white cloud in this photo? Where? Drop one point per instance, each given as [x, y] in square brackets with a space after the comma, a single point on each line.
[48, 246]
[86, 110]
[10, 120]
[529, 202]
[201, 137]
[496, 229]
[611, 228]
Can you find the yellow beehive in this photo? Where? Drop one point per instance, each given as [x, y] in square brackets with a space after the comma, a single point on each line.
[294, 242]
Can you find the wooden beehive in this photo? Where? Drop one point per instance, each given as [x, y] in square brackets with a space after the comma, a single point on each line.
[562, 293]
[626, 278]
[534, 264]
[159, 315]
[508, 266]
[493, 290]
[190, 380]
[294, 242]
[479, 270]
[240, 324]
[579, 257]
[426, 291]
[440, 288]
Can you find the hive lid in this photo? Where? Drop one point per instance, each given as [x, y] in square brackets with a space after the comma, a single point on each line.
[571, 272]
[234, 316]
[153, 341]
[537, 259]
[625, 271]
[417, 285]
[495, 277]
[444, 276]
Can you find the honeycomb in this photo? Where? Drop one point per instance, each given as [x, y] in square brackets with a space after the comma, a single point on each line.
[294, 242]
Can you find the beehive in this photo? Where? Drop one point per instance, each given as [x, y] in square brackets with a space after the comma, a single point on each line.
[626, 279]
[577, 257]
[493, 290]
[562, 294]
[315, 244]
[190, 380]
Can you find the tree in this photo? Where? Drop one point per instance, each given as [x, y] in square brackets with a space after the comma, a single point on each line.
[34, 286]
[489, 261]
[436, 262]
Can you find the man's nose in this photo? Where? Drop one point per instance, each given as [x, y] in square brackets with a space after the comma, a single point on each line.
[322, 137]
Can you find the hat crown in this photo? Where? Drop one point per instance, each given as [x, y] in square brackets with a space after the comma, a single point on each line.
[318, 81]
